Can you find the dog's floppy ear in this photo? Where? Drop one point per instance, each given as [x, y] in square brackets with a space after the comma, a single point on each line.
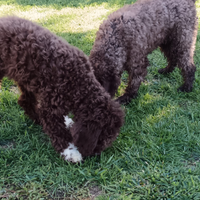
[85, 136]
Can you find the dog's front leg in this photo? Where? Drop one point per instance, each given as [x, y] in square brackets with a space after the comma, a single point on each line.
[136, 76]
[57, 127]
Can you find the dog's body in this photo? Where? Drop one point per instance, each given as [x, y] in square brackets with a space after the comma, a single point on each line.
[128, 35]
[56, 78]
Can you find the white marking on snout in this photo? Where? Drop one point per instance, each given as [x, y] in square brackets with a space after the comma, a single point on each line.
[68, 121]
[72, 154]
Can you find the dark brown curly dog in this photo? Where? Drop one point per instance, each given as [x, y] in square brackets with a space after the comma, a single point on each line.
[55, 79]
[128, 35]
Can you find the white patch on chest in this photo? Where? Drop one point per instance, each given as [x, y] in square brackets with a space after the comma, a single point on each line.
[68, 121]
[72, 154]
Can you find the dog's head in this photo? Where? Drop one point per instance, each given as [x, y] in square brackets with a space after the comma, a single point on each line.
[111, 130]
[93, 135]
[85, 136]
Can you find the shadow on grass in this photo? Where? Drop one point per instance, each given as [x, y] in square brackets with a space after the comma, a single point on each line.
[82, 40]
[66, 3]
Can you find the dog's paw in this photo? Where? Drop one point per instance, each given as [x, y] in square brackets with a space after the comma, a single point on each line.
[162, 71]
[184, 88]
[72, 154]
[126, 98]
[68, 121]
[165, 70]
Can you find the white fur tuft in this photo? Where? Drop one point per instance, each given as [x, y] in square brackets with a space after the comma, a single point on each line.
[72, 154]
[68, 121]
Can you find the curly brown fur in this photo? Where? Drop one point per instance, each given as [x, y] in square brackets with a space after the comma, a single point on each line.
[128, 35]
[56, 78]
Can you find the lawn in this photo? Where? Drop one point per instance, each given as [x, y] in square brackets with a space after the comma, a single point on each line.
[157, 154]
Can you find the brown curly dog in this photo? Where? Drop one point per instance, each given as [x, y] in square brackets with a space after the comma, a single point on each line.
[128, 35]
[55, 79]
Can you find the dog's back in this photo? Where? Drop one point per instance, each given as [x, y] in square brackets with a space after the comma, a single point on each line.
[16, 32]
[28, 50]
[151, 20]
[23, 44]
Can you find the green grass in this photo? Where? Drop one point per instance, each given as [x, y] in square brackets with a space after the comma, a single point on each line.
[157, 153]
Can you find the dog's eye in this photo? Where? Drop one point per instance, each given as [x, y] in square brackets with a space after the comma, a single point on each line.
[98, 118]
[34, 55]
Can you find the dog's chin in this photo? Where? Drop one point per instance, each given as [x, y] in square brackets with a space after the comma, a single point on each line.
[72, 154]
[68, 122]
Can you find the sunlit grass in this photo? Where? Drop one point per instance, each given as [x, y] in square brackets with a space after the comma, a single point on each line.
[157, 153]
[72, 19]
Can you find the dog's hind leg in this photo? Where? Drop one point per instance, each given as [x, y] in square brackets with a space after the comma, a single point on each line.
[188, 72]
[171, 55]
[136, 74]
[185, 55]
[28, 102]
